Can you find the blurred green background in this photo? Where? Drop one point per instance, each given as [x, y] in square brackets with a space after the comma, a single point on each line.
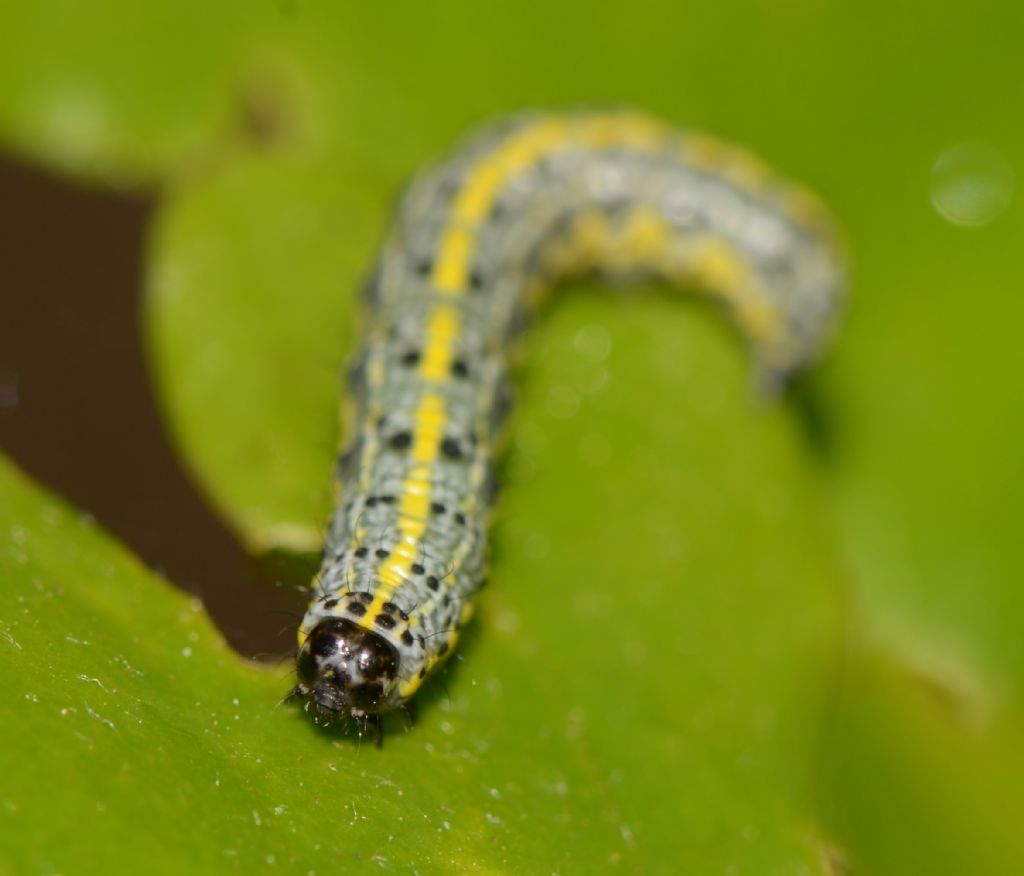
[721, 637]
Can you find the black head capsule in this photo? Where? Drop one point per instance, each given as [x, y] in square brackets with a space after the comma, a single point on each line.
[345, 671]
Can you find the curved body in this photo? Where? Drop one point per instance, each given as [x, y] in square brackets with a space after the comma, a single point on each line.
[476, 242]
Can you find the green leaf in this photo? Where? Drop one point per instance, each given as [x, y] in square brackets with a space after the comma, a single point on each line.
[278, 136]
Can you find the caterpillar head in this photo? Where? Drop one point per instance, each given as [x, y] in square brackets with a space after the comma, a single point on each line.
[345, 671]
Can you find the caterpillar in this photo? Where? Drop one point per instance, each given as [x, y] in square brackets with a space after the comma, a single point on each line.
[477, 241]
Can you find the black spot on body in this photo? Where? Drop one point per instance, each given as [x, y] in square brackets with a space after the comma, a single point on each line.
[417, 569]
[366, 597]
[400, 440]
[433, 583]
[357, 608]
[360, 552]
[460, 368]
[451, 448]
[389, 607]
[437, 508]
[460, 518]
[407, 638]
[382, 554]
[443, 649]
[411, 358]
[330, 603]
[385, 622]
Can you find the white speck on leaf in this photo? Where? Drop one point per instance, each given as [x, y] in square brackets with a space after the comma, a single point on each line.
[92, 714]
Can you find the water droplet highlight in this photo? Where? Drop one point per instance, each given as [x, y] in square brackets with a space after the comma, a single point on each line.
[971, 184]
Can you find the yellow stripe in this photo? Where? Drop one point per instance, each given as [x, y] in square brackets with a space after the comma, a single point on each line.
[646, 237]
[720, 271]
[450, 272]
[521, 151]
[429, 422]
[416, 494]
[443, 328]
[644, 240]
[518, 153]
